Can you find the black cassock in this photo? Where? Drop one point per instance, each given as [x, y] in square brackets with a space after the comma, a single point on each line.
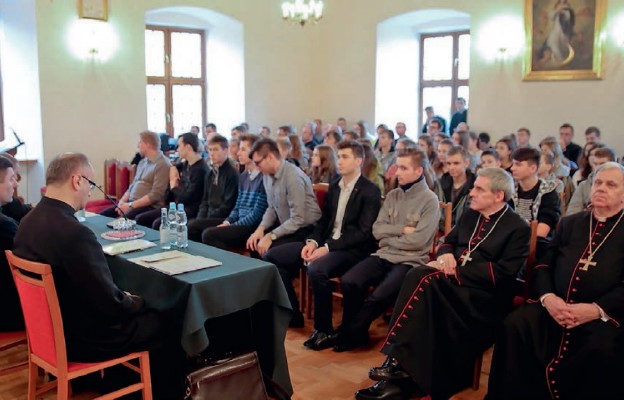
[535, 358]
[441, 324]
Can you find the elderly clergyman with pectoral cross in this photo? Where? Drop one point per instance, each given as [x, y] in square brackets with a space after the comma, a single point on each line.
[570, 343]
[448, 312]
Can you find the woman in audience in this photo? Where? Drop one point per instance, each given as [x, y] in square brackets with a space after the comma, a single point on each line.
[505, 148]
[562, 166]
[426, 143]
[297, 151]
[371, 167]
[585, 167]
[547, 168]
[439, 166]
[323, 164]
[361, 129]
[332, 138]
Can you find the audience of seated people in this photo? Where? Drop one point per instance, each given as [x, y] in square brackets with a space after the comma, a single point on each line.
[220, 190]
[251, 203]
[186, 179]
[340, 239]
[270, 209]
[147, 192]
[292, 206]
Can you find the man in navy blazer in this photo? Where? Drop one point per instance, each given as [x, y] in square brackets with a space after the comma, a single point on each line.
[341, 238]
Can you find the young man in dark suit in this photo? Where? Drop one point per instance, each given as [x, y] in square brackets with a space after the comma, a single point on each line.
[341, 238]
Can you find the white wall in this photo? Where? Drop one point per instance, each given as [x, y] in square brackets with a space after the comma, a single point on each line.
[20, 86]
[293, 74]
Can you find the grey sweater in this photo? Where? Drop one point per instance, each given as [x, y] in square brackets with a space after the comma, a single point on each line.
[417, 207]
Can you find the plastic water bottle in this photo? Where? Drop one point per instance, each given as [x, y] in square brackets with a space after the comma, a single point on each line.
[182, 229]
[172, 225]
[165, 244]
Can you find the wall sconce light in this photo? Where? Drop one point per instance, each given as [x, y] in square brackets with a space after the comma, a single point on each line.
[617, 32]
[90, 39]
[501, 39]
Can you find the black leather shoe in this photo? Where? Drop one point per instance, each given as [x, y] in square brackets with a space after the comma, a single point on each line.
[348, 343]
[296, 321]
[320, 340]
[390, 370]
[382, 390]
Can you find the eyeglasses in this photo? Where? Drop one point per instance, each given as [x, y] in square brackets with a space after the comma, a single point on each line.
[91, 183]
[259, 161]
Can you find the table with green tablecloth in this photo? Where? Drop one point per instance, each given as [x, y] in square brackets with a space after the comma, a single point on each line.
[195, 299]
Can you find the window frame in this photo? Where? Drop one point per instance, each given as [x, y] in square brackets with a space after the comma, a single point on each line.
[168, 80]
[454, 82]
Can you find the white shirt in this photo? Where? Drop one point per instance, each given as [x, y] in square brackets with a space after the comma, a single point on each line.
[343, 199]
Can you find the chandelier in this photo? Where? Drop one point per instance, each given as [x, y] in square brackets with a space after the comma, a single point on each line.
[301, 11]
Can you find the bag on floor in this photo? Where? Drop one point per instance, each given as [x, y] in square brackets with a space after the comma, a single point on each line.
[234, 378]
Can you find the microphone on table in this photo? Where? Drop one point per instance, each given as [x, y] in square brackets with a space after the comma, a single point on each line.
[109, 198]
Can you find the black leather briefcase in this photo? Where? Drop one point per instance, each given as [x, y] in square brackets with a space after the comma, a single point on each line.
[235, 378]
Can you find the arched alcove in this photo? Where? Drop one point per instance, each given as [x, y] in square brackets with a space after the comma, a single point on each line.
[225, 63]
[397, 62]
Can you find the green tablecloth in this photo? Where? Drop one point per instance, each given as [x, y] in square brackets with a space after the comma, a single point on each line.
[241, 283]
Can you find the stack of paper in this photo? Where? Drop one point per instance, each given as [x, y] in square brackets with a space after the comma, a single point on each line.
[126, 247]
[175, 262]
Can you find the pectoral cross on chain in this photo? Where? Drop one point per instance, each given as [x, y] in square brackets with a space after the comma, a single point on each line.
[465, 258]
[587, 262]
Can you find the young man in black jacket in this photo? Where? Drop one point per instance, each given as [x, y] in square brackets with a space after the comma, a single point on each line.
[341, 238]
[220, 190]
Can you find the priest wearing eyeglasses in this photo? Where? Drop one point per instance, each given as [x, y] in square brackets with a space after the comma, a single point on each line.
[448, 312]
[568, 342]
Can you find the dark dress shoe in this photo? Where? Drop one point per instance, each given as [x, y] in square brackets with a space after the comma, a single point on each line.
[389, 370]
[296, 321]
[348, 343]
[320, 340]
[382, 390]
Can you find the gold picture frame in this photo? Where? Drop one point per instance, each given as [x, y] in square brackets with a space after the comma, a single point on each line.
[563, 39]
[93, 9]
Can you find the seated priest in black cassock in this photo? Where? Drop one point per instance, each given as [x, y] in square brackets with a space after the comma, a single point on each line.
[448, 312]
[100, 321]
[567, 342]
[12, 319]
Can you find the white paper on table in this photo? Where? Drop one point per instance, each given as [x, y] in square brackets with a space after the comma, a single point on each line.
[126, 247]
[175, 262]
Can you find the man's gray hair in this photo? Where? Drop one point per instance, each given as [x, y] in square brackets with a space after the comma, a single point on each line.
[608, 166]
[500, 180]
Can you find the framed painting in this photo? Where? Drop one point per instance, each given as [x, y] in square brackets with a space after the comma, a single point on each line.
[93, 9]
[563, 39]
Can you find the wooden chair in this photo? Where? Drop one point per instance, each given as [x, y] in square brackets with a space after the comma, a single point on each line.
[305, 292]
[46, 337]
[9, 340]
[124, 177]
[110, 187]
[518, 300]
[110, 177]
